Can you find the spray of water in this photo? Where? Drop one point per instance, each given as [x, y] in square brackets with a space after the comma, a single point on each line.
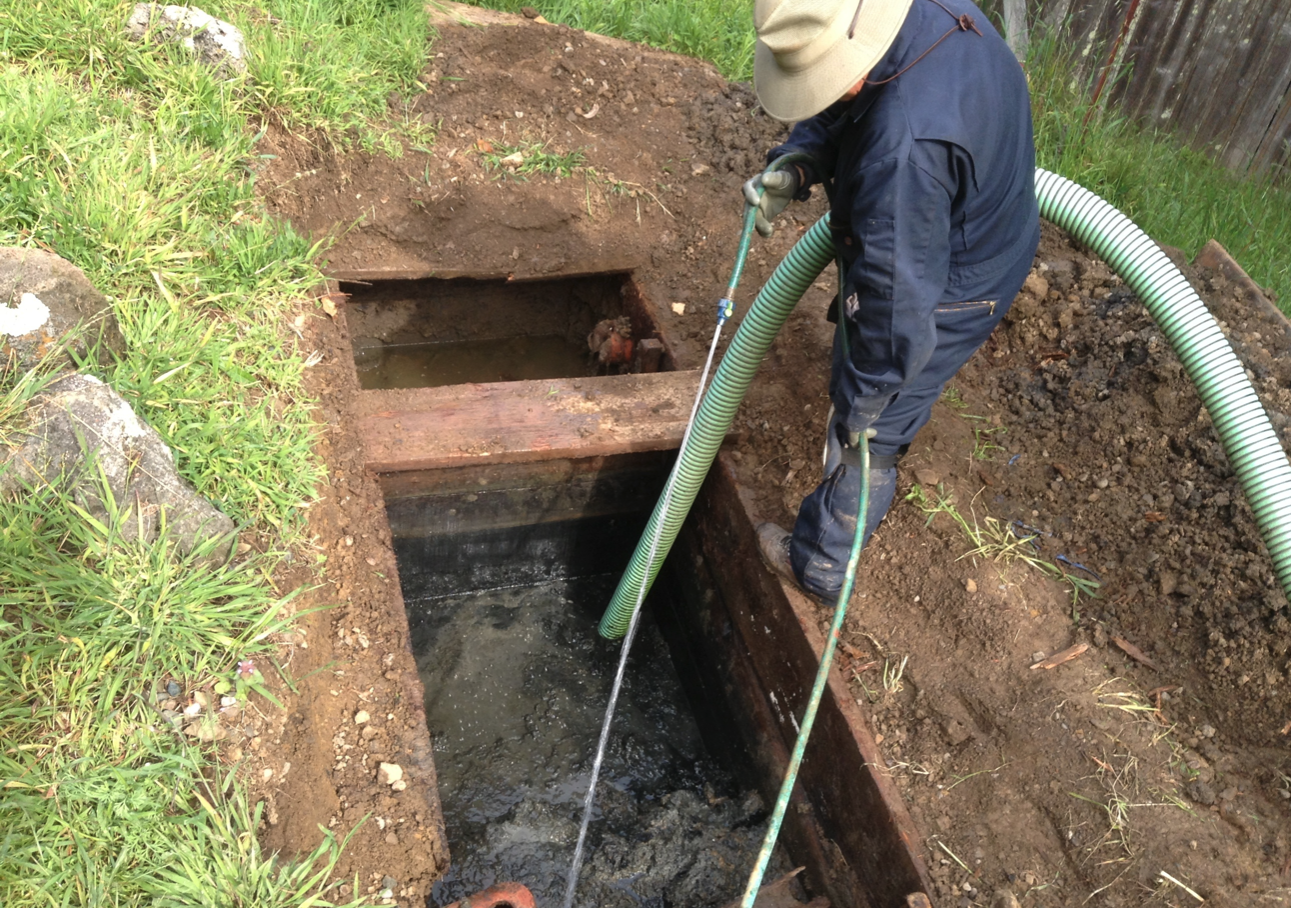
[577, 865]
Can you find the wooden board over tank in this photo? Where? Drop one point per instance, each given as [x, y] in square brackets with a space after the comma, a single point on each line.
[513, 422]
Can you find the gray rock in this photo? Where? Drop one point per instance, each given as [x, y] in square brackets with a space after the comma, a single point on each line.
[78, 421]
[217, 44]
[42, 298]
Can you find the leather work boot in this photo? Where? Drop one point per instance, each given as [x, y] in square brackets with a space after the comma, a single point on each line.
[773, 544]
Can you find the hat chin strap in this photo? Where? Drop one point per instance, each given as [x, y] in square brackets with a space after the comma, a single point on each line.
[963, 23]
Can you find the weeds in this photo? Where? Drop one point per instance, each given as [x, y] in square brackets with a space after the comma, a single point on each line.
[523, 161]
[999, 541]
[893, 672]
[984, 447]
[952, 397]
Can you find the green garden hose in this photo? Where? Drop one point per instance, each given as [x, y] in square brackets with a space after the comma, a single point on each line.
[817, 688]
[1244, 429]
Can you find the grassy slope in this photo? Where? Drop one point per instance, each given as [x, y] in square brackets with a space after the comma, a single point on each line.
[1177, 195]
[134, 163]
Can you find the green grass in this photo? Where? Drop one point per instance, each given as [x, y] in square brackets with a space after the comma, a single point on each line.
[1177, 195]
[716, 31]
[533, 159]
[138, 165]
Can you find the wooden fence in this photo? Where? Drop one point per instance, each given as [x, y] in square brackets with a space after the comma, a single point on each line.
[1215, 72]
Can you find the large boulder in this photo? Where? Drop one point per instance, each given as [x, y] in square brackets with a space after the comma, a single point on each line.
[42, 298]
[216, 43]
[79, 428]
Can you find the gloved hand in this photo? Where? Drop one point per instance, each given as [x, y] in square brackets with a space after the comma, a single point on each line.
[769, 192]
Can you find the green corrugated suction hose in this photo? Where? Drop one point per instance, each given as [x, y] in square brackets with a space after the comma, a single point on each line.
[1244, 429]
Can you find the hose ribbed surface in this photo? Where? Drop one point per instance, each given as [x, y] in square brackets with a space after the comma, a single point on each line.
[761, 323]
[1244, 429]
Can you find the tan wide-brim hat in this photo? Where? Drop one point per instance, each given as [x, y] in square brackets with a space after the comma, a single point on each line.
[804, 61]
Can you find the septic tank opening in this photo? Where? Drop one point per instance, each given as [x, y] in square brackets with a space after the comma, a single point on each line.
[505, 571]
[432, 332]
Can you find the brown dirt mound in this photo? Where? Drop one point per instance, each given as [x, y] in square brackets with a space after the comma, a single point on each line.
[1085, 784]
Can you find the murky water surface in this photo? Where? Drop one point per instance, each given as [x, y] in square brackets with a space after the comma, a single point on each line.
[516, 683]
[386, 366]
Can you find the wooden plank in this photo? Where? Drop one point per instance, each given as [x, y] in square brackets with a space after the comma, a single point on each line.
[856, 811]
[511, 422]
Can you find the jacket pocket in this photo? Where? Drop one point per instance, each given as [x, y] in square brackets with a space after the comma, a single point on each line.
[985, 307]
[875, 268]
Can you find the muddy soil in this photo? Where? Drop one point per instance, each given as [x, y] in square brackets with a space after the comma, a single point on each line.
[1112, 779]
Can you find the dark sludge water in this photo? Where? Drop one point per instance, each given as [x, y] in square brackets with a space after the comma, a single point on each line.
[516, 684]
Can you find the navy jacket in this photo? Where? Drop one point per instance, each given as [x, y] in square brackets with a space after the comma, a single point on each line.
[934, 195]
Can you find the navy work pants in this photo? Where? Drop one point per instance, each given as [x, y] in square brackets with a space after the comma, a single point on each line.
[826, 525]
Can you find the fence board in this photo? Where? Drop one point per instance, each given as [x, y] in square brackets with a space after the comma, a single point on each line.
[1215, 72]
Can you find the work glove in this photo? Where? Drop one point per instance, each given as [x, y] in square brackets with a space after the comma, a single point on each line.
[842, 442]
[769, 192]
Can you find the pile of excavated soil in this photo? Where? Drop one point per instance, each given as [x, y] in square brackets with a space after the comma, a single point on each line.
[1111, 779]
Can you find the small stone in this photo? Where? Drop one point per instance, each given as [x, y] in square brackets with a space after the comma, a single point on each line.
[1004, 898]
[361, 716]
[193, 709]
[679, 308]
[168, 704]
[172, 717]
[1169, 582]
[927, 476]
[226, 702]
[202, 699]
[399, 786]
[970, 585]
[214, 42]
[957, 732]
[389, 774]
[388, 882]
[370, 732]
[392, 839]
[173, 689]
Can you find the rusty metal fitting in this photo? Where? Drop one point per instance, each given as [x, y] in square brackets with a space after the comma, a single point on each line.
[499, 895]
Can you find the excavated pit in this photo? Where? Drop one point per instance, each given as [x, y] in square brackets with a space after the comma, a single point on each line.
[432, 332]
[513, 508]
[505, 574]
